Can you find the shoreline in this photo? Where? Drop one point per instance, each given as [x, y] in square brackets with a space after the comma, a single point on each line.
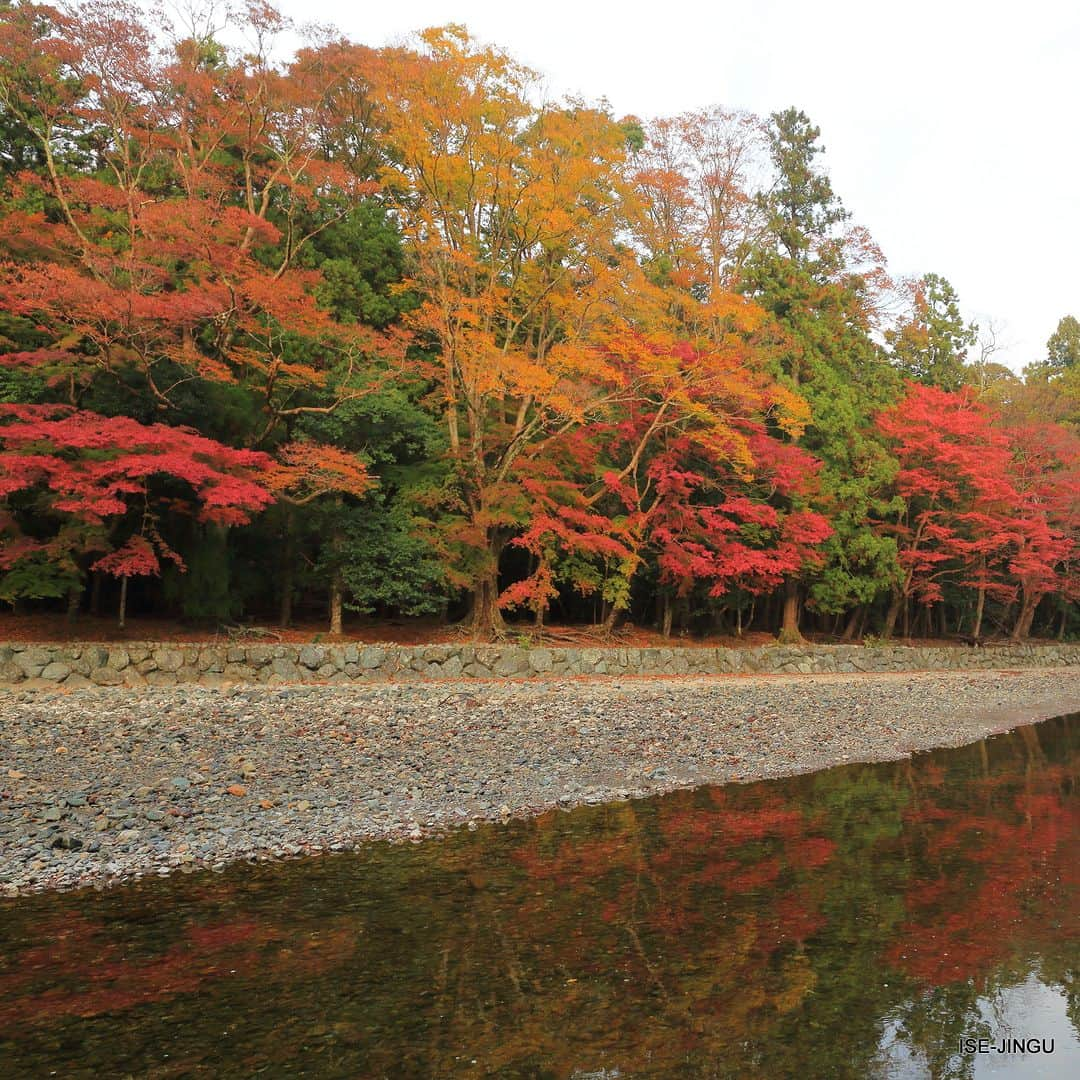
[102, 786]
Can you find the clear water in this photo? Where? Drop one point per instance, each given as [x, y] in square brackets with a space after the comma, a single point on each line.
[852, 923]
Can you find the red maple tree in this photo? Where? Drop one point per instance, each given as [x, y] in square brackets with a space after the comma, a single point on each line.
[97, 485]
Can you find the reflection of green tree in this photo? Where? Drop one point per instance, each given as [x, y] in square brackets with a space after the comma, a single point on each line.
[934, 1021]
[756, 931]
[863, 905]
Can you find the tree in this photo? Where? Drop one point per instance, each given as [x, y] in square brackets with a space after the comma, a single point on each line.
[1045, 472]
[801, 207]
[684, 465]
[823, 286]
[164, 270]
[932, 343]
[1063, 347]
[78, 485]
[694, 175]
[958, 515]
[511, 215]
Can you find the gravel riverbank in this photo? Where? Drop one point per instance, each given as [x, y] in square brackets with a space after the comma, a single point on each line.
[98, 786]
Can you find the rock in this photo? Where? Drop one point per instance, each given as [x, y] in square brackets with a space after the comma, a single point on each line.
[451, 667]
[236, 789]
[284, 668]
[312, 656]
[512, 662]
[168, 660]
[211, 662]
[118, 659]
[541, 660]
[56, 671]
[10, 672]
[372, 657]
[33, 660]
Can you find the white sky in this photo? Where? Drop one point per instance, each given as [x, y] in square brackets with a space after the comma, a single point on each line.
[950, 125]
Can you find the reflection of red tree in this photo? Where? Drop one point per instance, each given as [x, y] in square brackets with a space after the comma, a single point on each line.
[986, 872]
[744, 860]
[106, 981]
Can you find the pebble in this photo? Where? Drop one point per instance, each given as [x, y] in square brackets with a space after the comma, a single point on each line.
[333, 767]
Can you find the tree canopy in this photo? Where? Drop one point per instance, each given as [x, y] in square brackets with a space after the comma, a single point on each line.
[385, 330]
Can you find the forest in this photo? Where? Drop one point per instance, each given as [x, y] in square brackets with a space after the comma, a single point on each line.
[335, 331]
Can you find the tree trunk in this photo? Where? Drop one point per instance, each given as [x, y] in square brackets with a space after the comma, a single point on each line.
[669, 612]
[891, 615]
[336, 584]
[95, 593]
[980, 607]
[74, 598]
[123, 602]
[485, 620]
[789, 626]
[852, 623]
[1026, 616]
[1064, 620]
[335, 604]
[288, 557]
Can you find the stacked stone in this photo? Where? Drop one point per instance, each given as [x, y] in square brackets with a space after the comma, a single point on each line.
[156, 664]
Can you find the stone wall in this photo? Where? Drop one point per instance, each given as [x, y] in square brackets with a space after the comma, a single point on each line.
[156, 664]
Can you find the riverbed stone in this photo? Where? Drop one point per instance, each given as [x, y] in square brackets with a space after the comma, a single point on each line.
[116, 766]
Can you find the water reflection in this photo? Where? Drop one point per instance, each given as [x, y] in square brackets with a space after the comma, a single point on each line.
[853, 923]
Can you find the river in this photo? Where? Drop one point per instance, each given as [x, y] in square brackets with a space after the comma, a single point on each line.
[856, 922]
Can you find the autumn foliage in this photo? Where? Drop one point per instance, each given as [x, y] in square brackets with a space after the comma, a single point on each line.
[385, 326]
